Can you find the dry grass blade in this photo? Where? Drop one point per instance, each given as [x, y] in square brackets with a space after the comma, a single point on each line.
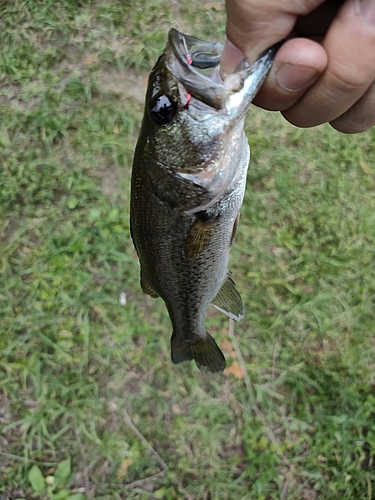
[152, 450]
[138, 482]
[27, 460]
[250, 391]
[140, 436]
[369, 487]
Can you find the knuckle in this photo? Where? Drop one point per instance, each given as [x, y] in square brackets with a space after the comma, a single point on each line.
[348, 127]
[351, 123]
[301, 120]
[348, 80]
[358, 118]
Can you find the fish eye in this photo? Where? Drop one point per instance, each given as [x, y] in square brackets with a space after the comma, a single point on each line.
[163, 110]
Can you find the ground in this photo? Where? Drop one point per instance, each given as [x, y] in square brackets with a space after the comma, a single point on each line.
[90, 404]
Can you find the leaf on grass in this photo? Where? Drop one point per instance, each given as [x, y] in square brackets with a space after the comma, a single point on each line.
[365, 167]
[123, 470]
[36, 479]
[62, 472]
[72, 203]
[63, 494]
[176, 409]
[215, 6]
[160, 494]
[227, 347]
[235, 370]
[90, 60]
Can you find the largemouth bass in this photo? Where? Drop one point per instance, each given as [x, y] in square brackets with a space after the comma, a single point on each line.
[188, 182]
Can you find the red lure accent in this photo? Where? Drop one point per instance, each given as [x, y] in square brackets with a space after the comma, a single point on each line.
[189, 60]
[187, 100]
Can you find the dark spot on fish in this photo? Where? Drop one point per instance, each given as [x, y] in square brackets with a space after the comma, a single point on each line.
[162, 110]
[206, 216]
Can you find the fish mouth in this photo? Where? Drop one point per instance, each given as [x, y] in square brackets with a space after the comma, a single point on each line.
[196, 65]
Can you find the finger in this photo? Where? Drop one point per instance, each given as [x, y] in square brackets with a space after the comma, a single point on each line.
[230, 58]
[298, 64]
[360, 117]
[319, 20]
[254, 25]
[350, 46]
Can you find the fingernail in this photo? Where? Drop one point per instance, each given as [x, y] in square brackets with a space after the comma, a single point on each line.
[367, 10]
[292, 77]
[230, 58]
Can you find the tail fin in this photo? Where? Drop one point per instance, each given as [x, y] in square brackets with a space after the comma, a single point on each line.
[204, 351]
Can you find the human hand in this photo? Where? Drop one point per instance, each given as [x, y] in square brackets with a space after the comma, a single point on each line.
[324, 72]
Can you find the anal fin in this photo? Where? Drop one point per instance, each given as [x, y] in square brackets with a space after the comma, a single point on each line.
[147, 288]
[228, 300]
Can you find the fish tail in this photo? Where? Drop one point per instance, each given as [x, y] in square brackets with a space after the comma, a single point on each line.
[203, 350]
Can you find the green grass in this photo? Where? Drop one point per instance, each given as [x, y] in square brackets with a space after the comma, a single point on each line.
[75, 365]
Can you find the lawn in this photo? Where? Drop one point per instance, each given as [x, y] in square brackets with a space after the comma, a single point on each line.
[91, 406]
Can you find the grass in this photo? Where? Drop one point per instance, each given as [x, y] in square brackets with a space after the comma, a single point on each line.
[90, 403]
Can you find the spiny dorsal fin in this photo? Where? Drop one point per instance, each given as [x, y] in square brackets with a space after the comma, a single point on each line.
[228, 300]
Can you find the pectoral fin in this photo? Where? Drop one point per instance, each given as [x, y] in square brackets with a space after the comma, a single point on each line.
[200, 234]
[228, 300]
[146, 287]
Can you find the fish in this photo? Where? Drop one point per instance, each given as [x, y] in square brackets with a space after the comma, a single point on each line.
[188, 182]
